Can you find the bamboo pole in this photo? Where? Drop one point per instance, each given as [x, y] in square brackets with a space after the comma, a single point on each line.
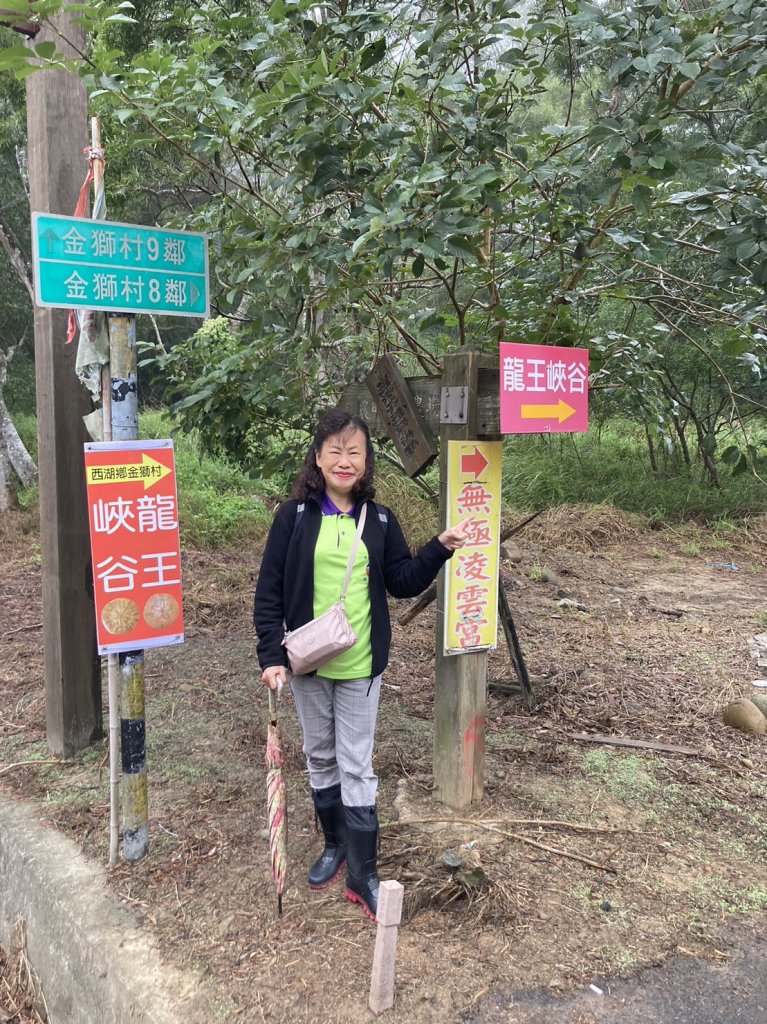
[112, 660]
[134, 789]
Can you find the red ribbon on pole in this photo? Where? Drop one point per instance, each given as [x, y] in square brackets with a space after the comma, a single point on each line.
[82, 200]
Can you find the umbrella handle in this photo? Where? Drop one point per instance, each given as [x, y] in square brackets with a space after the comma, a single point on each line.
[273, 695]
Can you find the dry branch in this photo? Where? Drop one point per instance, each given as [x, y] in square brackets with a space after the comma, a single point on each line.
[510, 835]
[429, 595]
[5, 768]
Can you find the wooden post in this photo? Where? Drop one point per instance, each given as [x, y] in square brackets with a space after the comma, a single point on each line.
[57, 135]
[384, 958]
[461, 680]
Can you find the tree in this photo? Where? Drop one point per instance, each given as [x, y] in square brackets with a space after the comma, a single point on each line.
[15, 281]
[381, 177]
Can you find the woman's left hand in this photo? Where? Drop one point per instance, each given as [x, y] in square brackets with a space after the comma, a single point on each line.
[455, 537]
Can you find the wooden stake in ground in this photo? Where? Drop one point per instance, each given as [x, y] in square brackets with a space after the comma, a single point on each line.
[389, 914]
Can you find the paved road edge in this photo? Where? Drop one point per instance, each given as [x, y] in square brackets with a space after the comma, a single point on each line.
[95, 964]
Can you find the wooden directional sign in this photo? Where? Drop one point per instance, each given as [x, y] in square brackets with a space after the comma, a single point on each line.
[95, 264]
[398, 410]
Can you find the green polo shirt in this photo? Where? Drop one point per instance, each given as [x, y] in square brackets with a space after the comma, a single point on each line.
[331, 556]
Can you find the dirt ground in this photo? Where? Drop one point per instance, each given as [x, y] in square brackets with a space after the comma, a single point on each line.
[584, 863]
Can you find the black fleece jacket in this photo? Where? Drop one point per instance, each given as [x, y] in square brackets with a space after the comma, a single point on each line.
[285, 587]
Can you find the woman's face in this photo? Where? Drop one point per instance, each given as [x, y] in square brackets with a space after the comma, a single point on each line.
[342, 460]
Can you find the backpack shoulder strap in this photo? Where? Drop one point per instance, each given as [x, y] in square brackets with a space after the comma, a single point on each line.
[383, 516]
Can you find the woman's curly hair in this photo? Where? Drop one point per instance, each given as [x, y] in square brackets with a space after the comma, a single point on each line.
[310, 478]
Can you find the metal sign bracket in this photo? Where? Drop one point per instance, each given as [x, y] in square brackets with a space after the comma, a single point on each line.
[454, 405]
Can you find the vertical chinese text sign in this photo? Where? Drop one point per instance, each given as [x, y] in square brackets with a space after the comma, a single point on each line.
[471, 575]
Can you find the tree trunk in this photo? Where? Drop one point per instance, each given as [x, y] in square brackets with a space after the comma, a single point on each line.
[5, 482]
[13, 448]
[12, 451]
[651, 450]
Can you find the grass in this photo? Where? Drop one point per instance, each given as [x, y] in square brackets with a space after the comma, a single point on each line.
[220, 504]
[625, 776]
[217, 504]
[611, 466]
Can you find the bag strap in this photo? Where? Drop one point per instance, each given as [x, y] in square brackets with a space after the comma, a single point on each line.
[353, 552]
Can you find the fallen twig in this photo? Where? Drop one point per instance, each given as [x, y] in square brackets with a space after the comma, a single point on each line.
[512, 835]
[620, 741]
[677, 613]
[23, 629]
[26, 764]
[493, 822]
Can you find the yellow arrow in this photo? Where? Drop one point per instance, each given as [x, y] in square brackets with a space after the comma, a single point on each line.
[562, 411]
[149, 472]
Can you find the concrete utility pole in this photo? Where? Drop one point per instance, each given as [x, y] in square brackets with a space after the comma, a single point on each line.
[57, 129]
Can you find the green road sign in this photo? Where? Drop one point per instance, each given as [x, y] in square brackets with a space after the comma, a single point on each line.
[99, 264]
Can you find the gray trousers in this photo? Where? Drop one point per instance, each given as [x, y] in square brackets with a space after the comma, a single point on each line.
[338, 720]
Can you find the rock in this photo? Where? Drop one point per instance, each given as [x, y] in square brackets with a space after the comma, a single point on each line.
[547, 576]
[745, 715]
[452, 860]
[568, 602]
[510, 552]
[760, 700]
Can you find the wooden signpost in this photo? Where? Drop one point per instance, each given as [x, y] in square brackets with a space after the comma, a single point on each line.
[461, 681]
[57, 127]
[462, 405]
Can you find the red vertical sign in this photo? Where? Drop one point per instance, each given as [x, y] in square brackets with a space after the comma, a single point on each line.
[135, 547]
[544, 389]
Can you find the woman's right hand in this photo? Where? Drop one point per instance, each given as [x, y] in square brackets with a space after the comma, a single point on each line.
[274, 677]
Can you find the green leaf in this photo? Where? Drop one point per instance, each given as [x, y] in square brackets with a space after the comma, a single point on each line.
[731, 456]
[45, 50]
[418, 265]
[461, 247]
[373, 54]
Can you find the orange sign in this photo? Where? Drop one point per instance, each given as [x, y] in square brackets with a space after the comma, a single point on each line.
[133, 513]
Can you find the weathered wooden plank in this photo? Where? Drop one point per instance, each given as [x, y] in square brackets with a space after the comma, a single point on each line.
[396, 407]
[426, 392]
[57, 127]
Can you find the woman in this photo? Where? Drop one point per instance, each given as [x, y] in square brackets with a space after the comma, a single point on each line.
[301, 575]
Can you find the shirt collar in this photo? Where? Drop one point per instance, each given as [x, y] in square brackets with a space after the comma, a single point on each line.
[329, 508]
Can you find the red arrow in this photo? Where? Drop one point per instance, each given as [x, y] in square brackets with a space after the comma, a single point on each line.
[476, 463]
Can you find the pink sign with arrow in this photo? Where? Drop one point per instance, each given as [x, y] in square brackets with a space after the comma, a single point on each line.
[544, 389]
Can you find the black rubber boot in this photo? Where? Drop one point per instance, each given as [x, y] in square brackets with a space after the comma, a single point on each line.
[361, 856]
[330, 812]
